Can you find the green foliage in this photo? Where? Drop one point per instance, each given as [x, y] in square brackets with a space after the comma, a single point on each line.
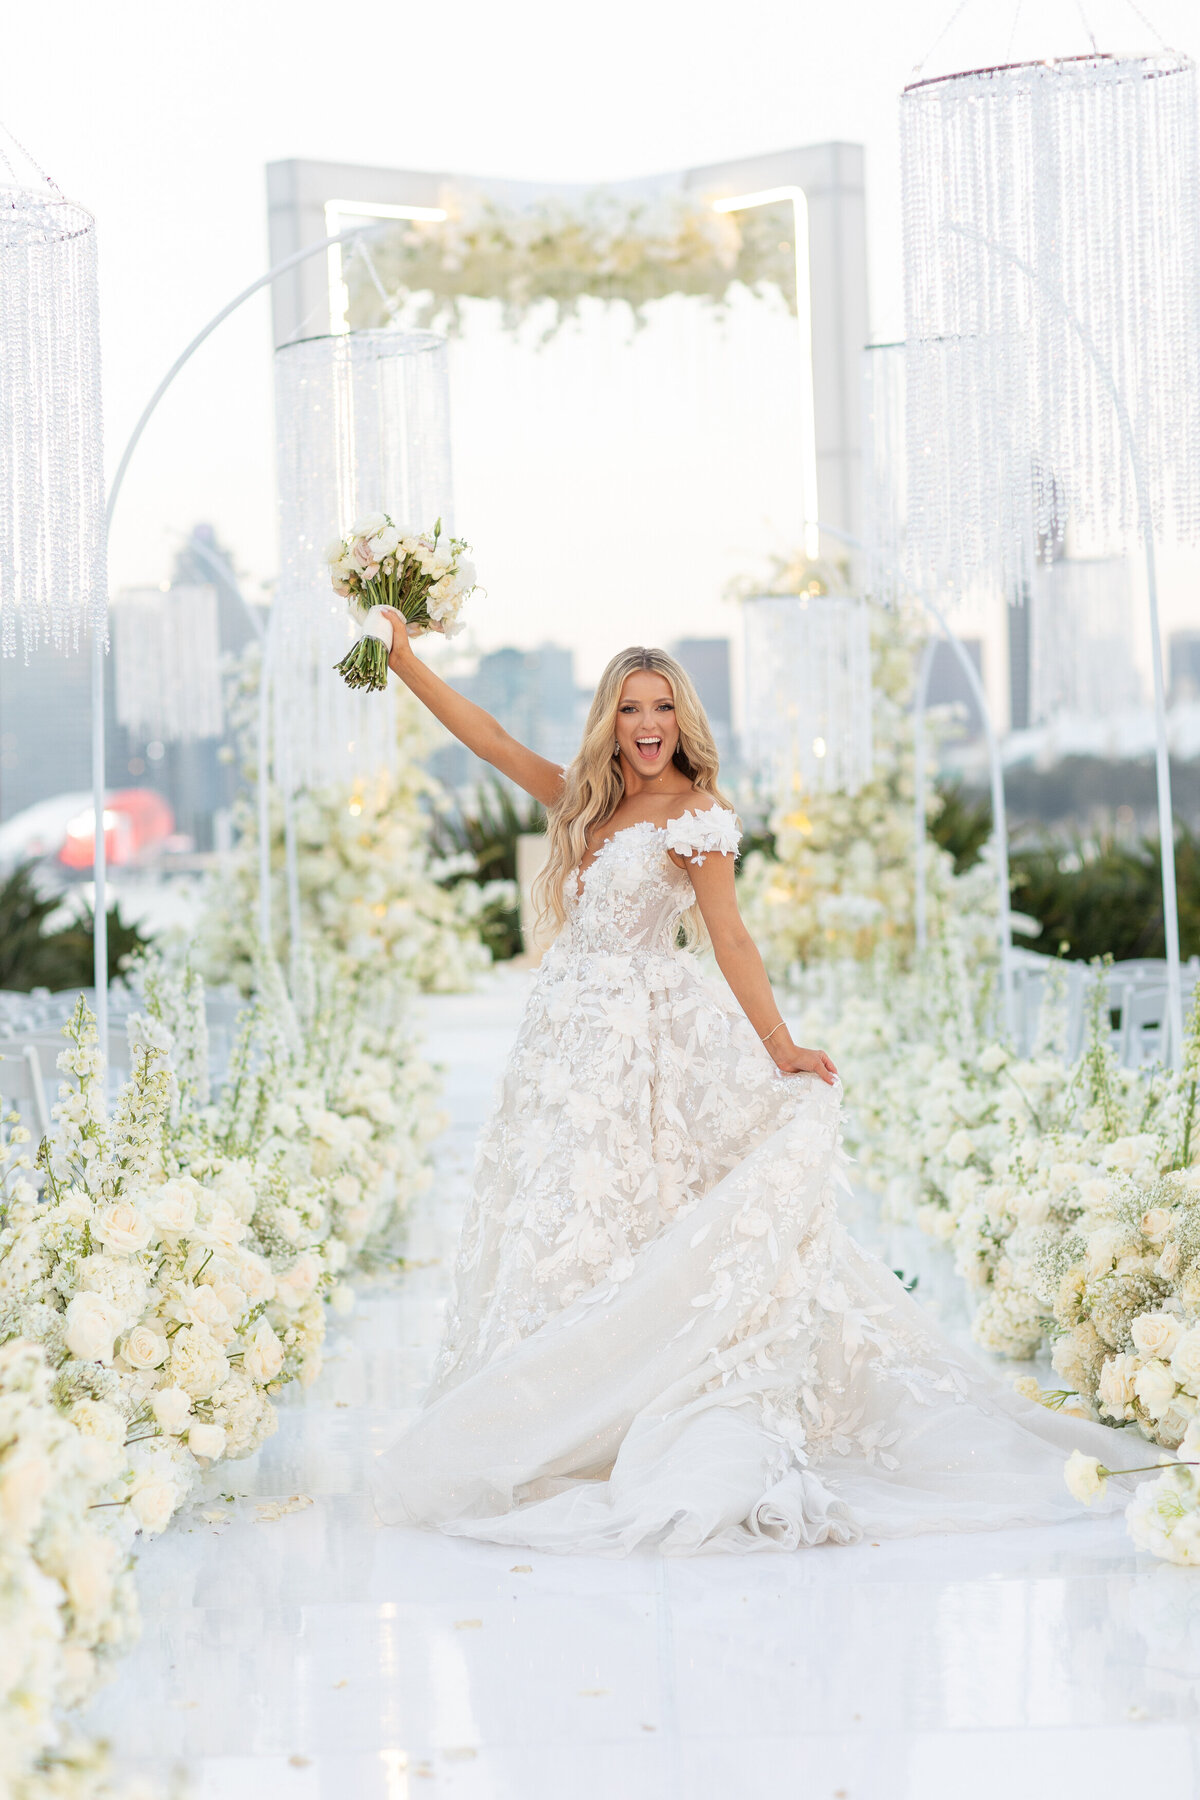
[488, 833]
[1105, 898]
[31, 956]
[962, 825]
[1098, 897]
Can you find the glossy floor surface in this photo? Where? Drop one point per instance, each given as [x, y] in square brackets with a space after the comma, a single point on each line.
[306, 1653]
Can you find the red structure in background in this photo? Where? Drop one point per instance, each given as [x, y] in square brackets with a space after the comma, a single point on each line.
[137, 821]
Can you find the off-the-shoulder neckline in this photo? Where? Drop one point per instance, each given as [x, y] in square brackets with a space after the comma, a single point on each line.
[648, 824]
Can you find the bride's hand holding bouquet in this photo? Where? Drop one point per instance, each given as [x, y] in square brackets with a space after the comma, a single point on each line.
[383, 571]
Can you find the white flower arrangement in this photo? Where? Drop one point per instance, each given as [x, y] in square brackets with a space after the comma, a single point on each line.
[369, 884]
[156, 1297]
[838, 881]
[423, 575]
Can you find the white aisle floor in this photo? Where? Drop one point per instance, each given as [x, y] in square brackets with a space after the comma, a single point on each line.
[311, 1654]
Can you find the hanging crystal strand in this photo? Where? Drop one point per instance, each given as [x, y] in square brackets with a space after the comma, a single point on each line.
[362, 423]
[1052, 255]
[808, 693]
[52, 548]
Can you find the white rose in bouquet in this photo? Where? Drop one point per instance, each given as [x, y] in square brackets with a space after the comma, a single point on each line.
[255, 1277]
[423, 576]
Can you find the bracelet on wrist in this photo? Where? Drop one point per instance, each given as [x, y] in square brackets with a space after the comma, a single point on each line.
[771, 1033]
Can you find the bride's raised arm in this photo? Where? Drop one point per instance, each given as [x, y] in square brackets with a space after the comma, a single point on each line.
[470, 724]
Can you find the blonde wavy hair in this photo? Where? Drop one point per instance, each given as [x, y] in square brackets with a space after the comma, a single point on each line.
[593, 786]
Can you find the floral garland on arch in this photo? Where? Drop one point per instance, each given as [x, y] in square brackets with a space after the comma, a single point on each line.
[555, 254]
[154, 1300]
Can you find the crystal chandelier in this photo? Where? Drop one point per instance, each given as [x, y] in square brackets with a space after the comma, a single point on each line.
[808, 693]
[1052, 290]
[363, 426]
[52, 535]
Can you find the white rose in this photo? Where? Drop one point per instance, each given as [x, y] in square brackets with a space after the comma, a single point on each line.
[1156, 1223]
[173, 1207]
[1169, 1261]
[198, 1363]
[207, 1441]
[1185, 1359]
[1126, 1153]
[1095, 1192]
[283, 1119]
[993, 1058]
[263, 1357]
[223, 1230]
[144, 1348]
[1083, 1476]
[152, 1499]
[960, 1148]
[1115, 1387]
[171, 1407]
[384, 542]
[123, 1226]
[288, 1223]
[24, 1483]
[206, 1308]
[232, 1298]
[1154, 1386]
[1103, 1247]
[368, 525]
[293, 1288]
[92, 1324]
[1156, 1333]
[235, 1186]
[255, 1277]
[91, 1565]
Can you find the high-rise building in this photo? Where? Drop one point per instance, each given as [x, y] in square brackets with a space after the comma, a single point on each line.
[1184, 660]
[533, 695]
[707, 662]
[949, 685]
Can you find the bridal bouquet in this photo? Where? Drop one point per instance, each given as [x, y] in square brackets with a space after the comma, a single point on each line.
[424, 575]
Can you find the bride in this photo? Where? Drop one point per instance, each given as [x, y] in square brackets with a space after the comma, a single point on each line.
[662, 1336]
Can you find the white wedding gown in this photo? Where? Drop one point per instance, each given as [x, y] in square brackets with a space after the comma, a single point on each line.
[662, 1336]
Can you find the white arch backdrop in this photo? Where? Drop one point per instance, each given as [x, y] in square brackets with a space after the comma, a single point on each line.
[308, 201]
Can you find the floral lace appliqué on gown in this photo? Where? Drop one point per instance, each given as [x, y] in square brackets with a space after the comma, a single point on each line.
[661, 1335]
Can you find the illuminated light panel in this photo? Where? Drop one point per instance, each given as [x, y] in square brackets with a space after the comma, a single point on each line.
[339, 215]
[808, 427]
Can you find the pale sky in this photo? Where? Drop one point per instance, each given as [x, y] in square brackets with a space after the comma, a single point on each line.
[161, 116]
